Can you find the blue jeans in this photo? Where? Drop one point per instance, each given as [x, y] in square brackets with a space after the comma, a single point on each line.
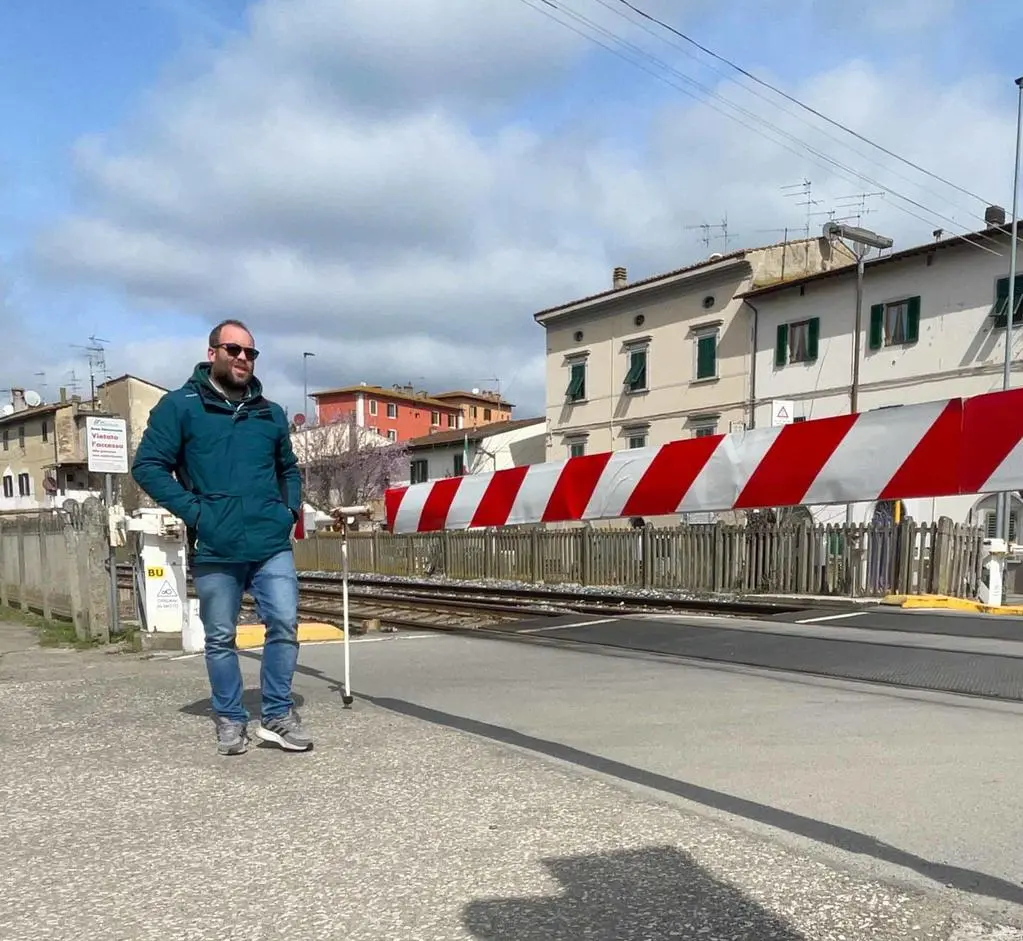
[273, 585]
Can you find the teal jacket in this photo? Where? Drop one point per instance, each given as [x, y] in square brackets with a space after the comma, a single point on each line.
[226, 469]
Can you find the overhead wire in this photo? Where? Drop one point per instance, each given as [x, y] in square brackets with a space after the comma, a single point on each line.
[796, 101]
[615, 8]
[830, 163]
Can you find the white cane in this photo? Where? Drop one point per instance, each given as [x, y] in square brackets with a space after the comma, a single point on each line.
[347, 514]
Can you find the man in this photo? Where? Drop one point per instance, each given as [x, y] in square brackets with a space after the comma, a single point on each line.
[218, 455]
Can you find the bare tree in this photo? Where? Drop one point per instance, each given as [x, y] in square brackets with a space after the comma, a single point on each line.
[343, 464]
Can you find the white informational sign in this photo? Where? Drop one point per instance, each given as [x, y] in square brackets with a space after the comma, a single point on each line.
[107, 445]
[782, 412]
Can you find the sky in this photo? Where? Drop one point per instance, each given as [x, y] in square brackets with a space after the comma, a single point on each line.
[398, 185]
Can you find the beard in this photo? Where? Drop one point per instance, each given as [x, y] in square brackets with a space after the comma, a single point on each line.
[222, 373]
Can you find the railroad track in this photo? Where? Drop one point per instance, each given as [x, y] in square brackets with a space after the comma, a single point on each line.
[422, 605]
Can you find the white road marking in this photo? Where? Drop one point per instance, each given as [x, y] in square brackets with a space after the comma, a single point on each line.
[565, 627]
[833, 617]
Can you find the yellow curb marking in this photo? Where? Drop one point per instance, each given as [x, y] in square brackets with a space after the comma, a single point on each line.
[948, 603]
[253, 635]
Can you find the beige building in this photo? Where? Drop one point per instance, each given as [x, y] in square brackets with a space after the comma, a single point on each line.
[479, 407]
[667, 357]
[43, 452]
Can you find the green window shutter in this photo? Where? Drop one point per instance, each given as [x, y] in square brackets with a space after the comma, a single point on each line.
[635, 379]
[813, 335]
[706, 357]
[577, 384]
[781, 347]
[913, 320]
[876, 326]
[1001, 301]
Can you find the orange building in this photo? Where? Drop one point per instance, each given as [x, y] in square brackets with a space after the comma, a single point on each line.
[398, 413]
[479, 407]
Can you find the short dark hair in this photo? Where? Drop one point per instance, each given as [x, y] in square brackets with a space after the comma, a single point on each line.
[215, 332]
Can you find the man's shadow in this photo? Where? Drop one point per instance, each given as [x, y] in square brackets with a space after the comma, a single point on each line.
[250, 699]
[631, 895]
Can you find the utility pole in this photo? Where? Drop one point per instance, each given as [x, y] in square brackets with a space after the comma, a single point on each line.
[862, 241]
[1003, 516]
[305, 384]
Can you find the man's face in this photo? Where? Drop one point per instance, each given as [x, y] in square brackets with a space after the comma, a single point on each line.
[232, 360]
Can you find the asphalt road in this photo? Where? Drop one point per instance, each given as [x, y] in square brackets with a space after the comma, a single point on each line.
[500, 790]
[895, 783]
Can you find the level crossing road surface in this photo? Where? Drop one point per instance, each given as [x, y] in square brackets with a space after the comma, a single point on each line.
[482, 788]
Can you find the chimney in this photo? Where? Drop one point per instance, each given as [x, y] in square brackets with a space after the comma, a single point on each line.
[994, 216]
[620, 278]
[63, 395]
[18, 400]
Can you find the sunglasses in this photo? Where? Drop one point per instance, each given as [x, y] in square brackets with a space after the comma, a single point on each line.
[234, 350]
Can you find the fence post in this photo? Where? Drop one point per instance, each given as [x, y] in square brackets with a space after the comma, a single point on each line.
[3, 568]
[75, 544]
[647, 542]
[44, 568]
[941, 558]
[22, 596]
[536, 563]
[97, 555]
[904, 569]
[375, 550]
[586, 556]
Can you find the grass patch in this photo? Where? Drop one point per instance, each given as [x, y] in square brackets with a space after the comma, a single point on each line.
[50, 633]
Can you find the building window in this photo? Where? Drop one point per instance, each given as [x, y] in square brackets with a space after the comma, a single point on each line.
[576, 448]
[435, 419]
[991, 526]
[487, 414]
[637, 439]
[459, 465]
[392, 410]
[1002, 301]
[24, 485]
[707, 356]
[576, 390]
[451, 421]
[372, 406]
[705, 429]
[46, 431]
[420, 471]
[8, 485]
[392, 435]
[7, 439]
[895, 323]
[636, 376]
[21, 437]
[797, 342]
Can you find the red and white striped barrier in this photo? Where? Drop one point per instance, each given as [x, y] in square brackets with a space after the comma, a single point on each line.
[936, 449]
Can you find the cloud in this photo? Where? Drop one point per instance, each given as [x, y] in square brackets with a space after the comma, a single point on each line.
[372, 181]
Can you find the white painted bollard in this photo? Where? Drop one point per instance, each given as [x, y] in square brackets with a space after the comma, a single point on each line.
[989, 591]
[193, 635]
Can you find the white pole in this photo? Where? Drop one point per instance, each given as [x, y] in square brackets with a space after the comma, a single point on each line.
[346, 697]
[1005, 503]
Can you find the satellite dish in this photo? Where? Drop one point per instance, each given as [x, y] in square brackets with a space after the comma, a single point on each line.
[33, 398]
[8, 409]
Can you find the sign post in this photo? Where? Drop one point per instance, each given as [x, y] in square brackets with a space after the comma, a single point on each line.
[107, 449]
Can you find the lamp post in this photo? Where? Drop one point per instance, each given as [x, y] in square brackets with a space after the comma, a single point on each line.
[1003, 516]
[862, 240]
[305, 384]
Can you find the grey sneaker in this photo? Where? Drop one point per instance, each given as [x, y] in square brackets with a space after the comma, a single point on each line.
[286, 731]
[232, 736]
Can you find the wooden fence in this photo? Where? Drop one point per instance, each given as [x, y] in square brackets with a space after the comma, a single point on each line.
[854, 560]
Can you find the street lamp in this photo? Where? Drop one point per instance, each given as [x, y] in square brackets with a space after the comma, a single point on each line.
[1003, 515]
[305, 384]
[863, 240]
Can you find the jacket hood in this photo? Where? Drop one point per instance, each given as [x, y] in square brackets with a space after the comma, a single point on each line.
[201, 377]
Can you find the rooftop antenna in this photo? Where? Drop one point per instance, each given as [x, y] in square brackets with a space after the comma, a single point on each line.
[803, 189]
[97, 363]
[42, 384]
[859, 202]
[706, 228]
